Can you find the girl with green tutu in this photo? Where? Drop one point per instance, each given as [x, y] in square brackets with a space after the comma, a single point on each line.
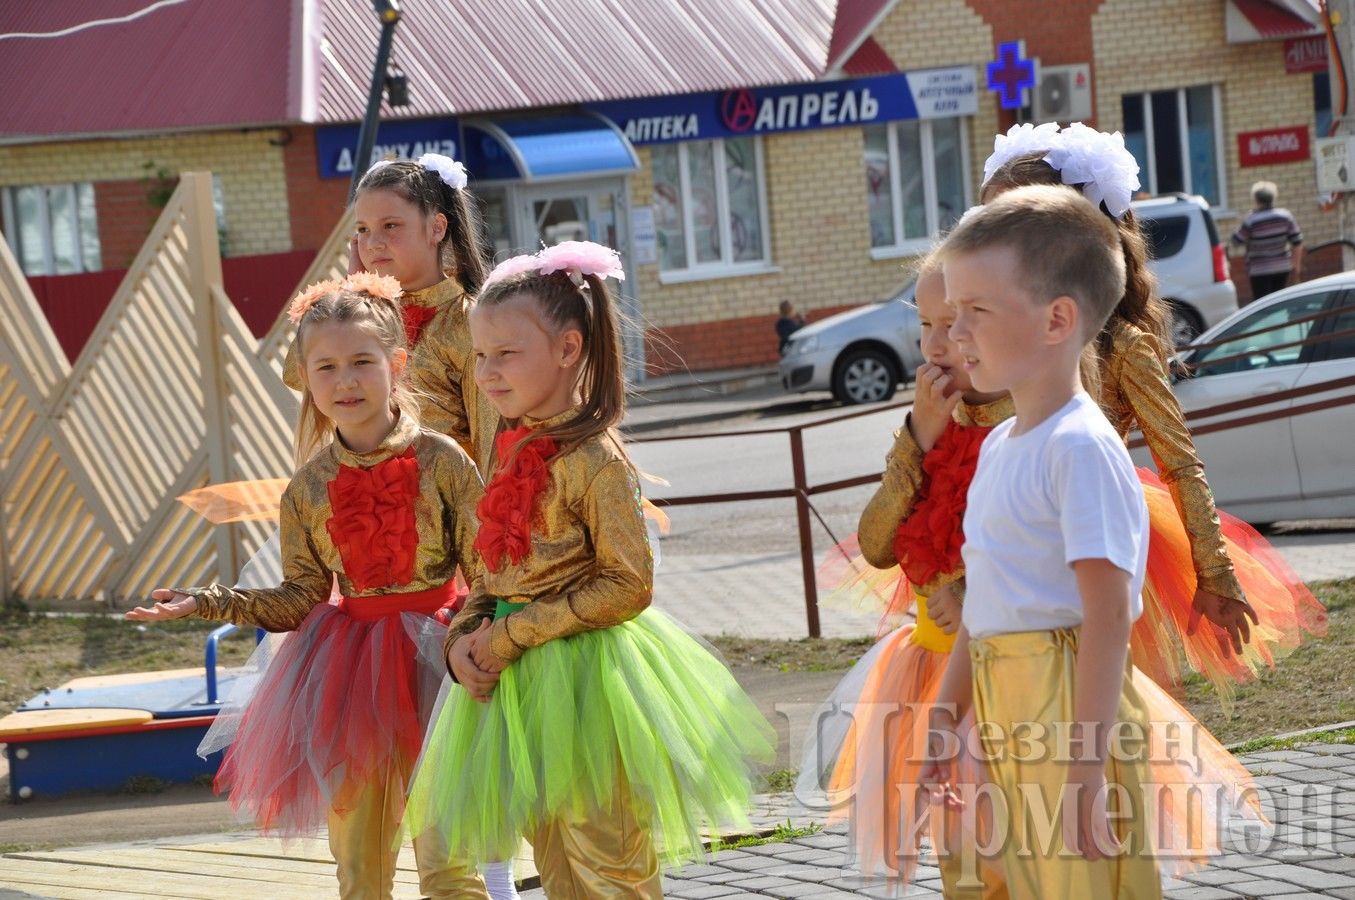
[581, 719]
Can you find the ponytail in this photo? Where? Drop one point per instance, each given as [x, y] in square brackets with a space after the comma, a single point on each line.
[460, 252]
[590, 308]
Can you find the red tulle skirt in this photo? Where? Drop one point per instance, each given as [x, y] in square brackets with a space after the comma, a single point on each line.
[344, 701]
[1287, 610]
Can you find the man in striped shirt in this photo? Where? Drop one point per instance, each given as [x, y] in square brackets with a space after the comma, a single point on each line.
[1273, 241]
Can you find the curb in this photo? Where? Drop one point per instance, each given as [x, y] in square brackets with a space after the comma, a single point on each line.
[1287, 736]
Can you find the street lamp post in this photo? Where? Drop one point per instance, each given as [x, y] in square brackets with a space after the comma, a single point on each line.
[388, 11]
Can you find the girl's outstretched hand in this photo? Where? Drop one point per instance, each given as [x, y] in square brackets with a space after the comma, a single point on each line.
[168, 605]
[1229, 616]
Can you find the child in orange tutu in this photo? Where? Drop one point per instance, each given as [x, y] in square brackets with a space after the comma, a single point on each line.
[1202, 564]
[913, 521]
[868, 759]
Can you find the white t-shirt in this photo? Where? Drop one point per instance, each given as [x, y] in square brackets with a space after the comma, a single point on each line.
[1063, 491]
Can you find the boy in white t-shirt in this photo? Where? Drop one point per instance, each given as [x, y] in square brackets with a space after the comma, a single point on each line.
[1056, 536]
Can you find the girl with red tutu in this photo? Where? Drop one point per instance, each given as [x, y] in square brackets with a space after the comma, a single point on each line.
[383, 510]
[1216, 591]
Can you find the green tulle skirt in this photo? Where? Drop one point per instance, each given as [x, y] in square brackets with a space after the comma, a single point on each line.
[641, 711]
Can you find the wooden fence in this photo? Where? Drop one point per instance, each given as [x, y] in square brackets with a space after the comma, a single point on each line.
[171, 392]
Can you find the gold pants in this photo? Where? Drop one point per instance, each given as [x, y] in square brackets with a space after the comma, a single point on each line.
[597, 857]
[363, 841]
[1028, 677]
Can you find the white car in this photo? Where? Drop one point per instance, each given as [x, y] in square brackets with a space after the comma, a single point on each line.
[861, 355]
[1189, 261]
[1290, 461]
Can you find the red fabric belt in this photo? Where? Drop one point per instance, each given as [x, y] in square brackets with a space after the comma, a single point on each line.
[369, 609]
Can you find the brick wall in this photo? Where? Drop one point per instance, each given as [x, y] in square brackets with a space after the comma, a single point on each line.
[315, 203]
[125, 218]
[1188, 48]
[727, 344]
[249, 164]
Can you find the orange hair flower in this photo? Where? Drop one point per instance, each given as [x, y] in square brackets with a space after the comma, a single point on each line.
[306, 299]
[385, 287]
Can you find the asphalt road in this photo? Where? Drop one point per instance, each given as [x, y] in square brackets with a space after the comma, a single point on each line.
[719, 464]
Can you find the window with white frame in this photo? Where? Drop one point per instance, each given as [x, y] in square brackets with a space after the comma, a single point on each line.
[710, 207]
[52, 228]
[1176, 137]
[916, 182]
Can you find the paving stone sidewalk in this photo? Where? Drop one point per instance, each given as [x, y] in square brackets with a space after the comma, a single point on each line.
[1310, 854]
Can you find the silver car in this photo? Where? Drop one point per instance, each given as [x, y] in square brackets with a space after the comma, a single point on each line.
[861, 355]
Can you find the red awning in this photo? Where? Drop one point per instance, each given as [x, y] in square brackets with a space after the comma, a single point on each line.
[1271, 20]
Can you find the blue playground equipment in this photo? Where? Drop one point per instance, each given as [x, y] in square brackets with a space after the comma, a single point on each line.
[101, 733]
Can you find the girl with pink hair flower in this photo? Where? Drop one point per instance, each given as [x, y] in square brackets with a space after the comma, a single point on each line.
[581, 718]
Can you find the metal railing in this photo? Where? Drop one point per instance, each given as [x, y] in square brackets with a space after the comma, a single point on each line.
[801, 490]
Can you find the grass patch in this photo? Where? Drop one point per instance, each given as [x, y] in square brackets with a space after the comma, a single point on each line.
[40, 651]
[1340, 736]
[1312, 687]
[803, 655]
[24, 847]
[779, 781]
[782, 834]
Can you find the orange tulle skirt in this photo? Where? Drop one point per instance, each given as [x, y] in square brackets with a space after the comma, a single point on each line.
[869, 746]
[1287, 610]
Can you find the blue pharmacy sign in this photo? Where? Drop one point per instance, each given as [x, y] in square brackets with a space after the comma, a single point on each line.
[336, 145]
[1011, 74]
[927, 94]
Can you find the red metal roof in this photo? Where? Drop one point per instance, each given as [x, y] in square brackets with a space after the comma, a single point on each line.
[210, 64]
[869, 59]
[197, 64]
[483, 55]
[853, 20]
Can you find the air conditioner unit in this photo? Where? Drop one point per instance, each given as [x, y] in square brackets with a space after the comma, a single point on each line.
[1063, 93]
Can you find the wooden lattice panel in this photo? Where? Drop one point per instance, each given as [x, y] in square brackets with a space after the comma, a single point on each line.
[171, 392]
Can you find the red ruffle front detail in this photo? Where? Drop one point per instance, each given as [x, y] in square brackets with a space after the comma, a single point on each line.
[928, 542]
[373, 524]
[415, 318]
[506, 509]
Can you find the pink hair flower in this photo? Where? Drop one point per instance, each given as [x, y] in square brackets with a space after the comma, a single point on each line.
[579, 258]
[306, 299]
[515, 265]
[385, 287]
